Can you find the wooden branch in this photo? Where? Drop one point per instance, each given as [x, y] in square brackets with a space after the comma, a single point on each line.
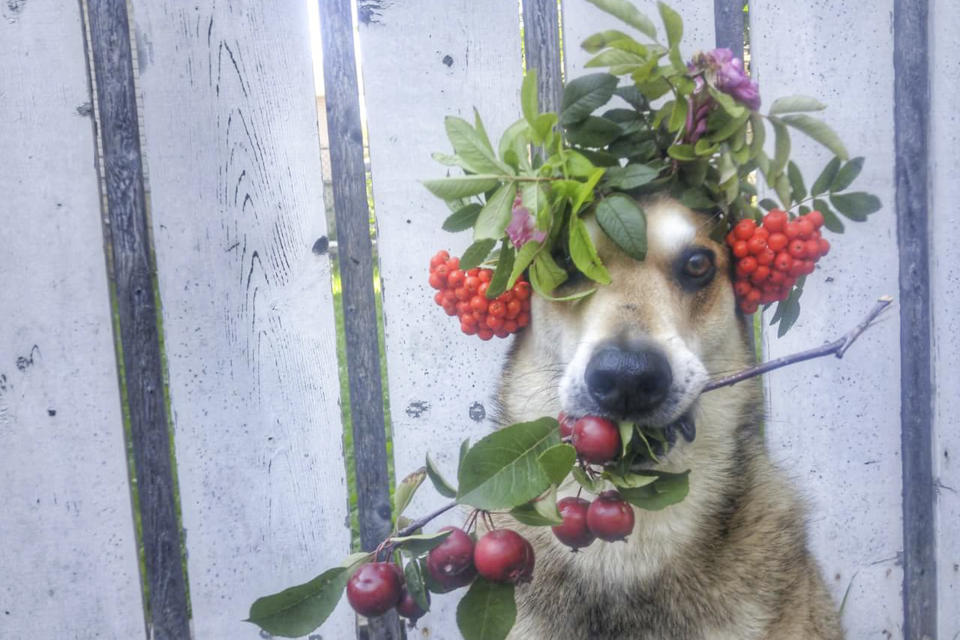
[838, 347]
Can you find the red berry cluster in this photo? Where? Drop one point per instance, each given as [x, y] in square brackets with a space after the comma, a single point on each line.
[500, 555]
[464, 294]
[769, 258]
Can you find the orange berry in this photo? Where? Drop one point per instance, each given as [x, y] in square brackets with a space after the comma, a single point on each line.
[775, 221]
[805, 227]
[777, 241]
[740, 249]
[745, 229]
[816, 218]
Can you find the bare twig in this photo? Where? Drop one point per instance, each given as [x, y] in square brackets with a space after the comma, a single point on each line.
[418, 524]
[838, 347]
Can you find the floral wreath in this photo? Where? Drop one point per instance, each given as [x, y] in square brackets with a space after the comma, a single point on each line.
[688, 128]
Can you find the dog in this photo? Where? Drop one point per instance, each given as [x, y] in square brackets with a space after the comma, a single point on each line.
[729, 562]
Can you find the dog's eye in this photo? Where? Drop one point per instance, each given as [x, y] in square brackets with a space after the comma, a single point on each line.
[696, 268]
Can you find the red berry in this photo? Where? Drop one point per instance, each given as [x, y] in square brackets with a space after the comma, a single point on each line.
[798, 249]
[450, 563]
[744, 229]
[484, 334]
[812, 249]
[805, 227]
[471, 283]
[756, 244]
[455, 278]
[747, 265]
[749, 307]
[494, 322]
[777, 241]
[783, 261]
[816, 218]
[766, 257]
[510, 326]
[760, 275]
[754, 296]
[741, 288]
[497, 309]
[824, 246]
[574, 531]
[503, 555]
[513, 308]
[469, 329]
[438, 259]
[731, 238]
[523, 320]
[597, 440]
[437, 281]
[566, 425]
[408, 607]
[479, 304]
[740, 249]
[610, 517]
[485, 275]
[792, 230]
[375, 588]
[522, 290]
[774, 221]
[438, 298]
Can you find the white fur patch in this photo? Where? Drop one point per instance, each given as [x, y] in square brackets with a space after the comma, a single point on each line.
[672, 231]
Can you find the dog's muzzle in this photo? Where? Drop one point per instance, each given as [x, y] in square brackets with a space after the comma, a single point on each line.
[628, 382]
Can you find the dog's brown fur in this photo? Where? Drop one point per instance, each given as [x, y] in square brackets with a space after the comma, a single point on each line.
[730, 562]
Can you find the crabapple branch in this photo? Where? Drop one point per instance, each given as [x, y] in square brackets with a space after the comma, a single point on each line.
[838, 347]
[411, 528]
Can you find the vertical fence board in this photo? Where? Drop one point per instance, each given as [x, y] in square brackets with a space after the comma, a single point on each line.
[464, 54]
[835, 425]
[69, 563]
[581, 19]
[232, 153]
[945, 293]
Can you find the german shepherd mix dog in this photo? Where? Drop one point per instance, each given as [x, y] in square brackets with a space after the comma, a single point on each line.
[729, 562]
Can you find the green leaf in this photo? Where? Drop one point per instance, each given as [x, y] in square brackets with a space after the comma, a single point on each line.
[481, 131]
[796, 182]
[632, 96]
[789, 311]
[682, 152]
[487, 611]
[857, 205]
[593, 132]
[672, 23]
[495, 215]
[826, 177]
[524, 257]
[819, 131]
[530, 514]
[598, 41]
[473, 147]
[624, 221]
[413, 575]
[406, 489]
[830, 219]
[626, 427]
[569, 298]
[615, 57]
[670, 488]
[782, 187]
[792, 104]
[847, 175]
[542, 126]
[584, 94]
[515, 139]
[584, 253]
[678, 116]
[461, 186]
[420, 543]
[759, 132]
[632, 480]
[727, 103]
[476, 254]
[584, 191]
[447, 159]
[629, 177]
[781, 148]
[501, 276]
[464, 448]
[501, 471]
[545, 274]
[593, 486]
[557, 461]
[528, 96]
[769, 204]
[463, 218]
[297, 611]
[628, 13]
[443, 487]
[730, 127]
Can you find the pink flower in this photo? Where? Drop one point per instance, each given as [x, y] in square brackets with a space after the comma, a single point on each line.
[522, 228]
[727, 74]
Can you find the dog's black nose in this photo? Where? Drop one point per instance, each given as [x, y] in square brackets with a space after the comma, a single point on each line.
[625, 382]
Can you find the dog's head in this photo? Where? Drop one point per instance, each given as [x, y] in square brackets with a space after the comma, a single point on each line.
[642, 347]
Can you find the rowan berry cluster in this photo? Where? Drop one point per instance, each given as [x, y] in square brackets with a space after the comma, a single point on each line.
[464, 294]
[770, 257]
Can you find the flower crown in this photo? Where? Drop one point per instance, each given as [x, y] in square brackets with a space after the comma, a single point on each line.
[689, 128]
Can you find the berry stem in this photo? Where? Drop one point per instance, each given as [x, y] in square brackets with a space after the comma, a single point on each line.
[419, 523]
[838, 347]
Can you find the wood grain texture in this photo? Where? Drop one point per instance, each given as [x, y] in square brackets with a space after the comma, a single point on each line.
[541, 40]
[131, 266]
[441, 382]
[834, 426]
[69, 560]
[911, 121]
[236, 199]
[728, 17]
[944, 296]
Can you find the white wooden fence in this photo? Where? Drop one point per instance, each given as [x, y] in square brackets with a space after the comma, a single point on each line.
[229, 394]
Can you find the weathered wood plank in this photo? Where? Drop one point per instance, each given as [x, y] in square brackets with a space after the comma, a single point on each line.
[580, 19]
[131, 266]
[69, 561]
[541, 43]
[911, 121]
[834, 425]
[465, 54]
[944, 295]
[728, 18]
[236, 199]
